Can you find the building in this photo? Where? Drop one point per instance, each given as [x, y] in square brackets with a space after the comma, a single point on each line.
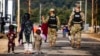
[7, 11]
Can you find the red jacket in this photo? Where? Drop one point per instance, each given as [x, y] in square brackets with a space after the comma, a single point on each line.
[44, 28]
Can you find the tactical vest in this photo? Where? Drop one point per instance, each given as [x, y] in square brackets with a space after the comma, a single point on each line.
[52, 22]
[77, 17]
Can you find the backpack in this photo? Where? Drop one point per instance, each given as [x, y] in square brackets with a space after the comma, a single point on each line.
[52, 22]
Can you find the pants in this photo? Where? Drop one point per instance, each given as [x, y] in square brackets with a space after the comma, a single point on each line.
[28, 42]
[28, 38]
[2, 28]
[64, 33]
[76, 33]
[20, 36]
[11, 46]
[52, 36]
[44, 28]
[37, 45]
[28, 47]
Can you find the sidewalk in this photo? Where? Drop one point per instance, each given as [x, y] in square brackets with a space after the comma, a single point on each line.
[93, 36]
[63, 47]
[90, 47]
[4, 43]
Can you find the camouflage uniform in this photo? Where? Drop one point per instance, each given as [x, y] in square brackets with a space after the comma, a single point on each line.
[75, 30]
[52, 32]
[52, 36]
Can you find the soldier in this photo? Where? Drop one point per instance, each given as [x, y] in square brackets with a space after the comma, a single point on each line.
[53, 22]
[76, 25]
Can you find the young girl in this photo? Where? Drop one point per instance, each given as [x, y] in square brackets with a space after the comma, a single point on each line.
[11, 38]
[38, 41]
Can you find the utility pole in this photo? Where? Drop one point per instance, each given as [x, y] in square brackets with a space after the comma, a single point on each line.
[96, 13]
[85, 14]
[80, 5]
[40, 12]
[92, 13]
[92, 21]
[29, 6]
[18, 15]
[85, 11]
[3, 7]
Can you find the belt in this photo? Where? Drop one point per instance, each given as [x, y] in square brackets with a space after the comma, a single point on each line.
[77, 22]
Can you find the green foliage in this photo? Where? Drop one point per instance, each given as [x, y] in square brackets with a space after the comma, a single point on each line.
[89, 16]
[63, 9]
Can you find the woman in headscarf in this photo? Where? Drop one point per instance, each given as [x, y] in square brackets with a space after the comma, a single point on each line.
[27, 33]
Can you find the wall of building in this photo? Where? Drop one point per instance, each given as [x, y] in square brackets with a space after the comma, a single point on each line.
[7, 7]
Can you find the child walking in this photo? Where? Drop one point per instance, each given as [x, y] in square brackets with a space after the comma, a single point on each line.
[64, 31]
[11, 38]
[38, 41]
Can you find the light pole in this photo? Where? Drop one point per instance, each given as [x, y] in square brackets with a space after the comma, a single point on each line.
[85, 14]
[18, 15]
[29, 6]
[40, 12]
[0, 21]
[85, 11]
[96, 15]
[3, 7]
[92, 21]
[80, 5]
[92, 13]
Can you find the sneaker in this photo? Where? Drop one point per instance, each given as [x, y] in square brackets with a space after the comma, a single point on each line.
[45, 41]
[26, 52]
[13, 52]
[69, 38]
[8, 52]
[40, 52]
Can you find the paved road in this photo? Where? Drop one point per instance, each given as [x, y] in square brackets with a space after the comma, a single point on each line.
[89, 47]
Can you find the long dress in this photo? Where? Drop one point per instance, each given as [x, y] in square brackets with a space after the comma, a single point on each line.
[44, 28]
[28, 26]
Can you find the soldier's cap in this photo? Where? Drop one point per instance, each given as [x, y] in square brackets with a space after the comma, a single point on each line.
[52, 9]
[77, 6]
